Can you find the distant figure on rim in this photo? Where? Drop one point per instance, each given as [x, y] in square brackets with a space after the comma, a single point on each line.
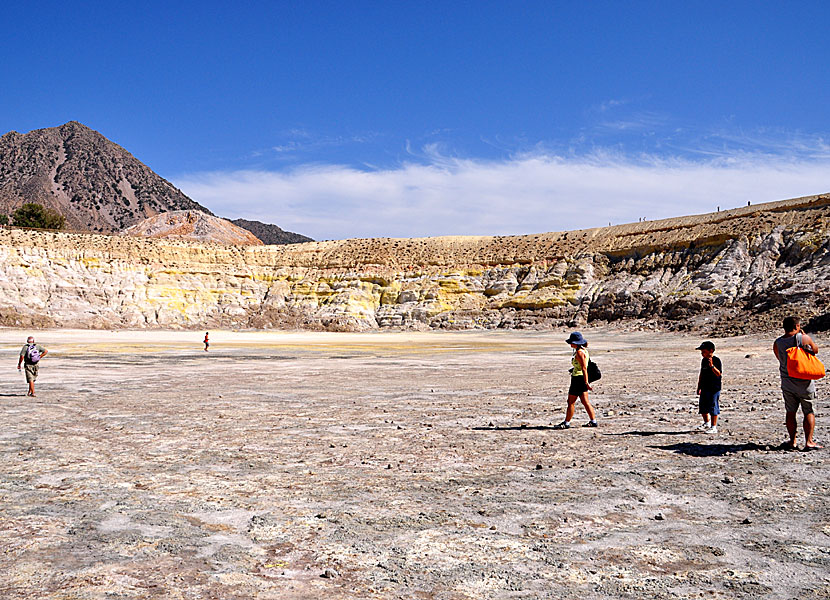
[579, 386]
[207, 342]
[797, 392]
[30, 356]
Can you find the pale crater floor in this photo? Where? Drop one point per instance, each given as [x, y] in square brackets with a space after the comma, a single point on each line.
[406, 465]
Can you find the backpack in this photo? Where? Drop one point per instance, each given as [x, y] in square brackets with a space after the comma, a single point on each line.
[801, 364]
[593, 371]
[33, 354]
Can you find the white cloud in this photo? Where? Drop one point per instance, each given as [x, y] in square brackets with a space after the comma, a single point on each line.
[525, 194]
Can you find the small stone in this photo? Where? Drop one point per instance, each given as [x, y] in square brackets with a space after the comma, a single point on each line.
[728, 479]
[538, 467]
[492, 527]
[659, 517]
[330, 574]
[746, 521]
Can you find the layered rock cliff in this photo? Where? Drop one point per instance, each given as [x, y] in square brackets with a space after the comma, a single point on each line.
[730, 271]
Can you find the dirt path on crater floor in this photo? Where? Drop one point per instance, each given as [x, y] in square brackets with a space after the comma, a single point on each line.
[400, 465]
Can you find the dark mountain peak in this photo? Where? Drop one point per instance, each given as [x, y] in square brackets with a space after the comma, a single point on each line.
[270, 234]
[93, 182]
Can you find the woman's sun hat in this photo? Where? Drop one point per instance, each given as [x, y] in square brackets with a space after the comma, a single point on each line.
[577, 339]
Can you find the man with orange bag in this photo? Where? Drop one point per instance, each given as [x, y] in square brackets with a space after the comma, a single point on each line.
[797, 392]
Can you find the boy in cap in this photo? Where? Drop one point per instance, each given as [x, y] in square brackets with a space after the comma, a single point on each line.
[709, 386]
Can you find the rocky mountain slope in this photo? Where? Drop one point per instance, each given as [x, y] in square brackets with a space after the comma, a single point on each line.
[724, 273]
[193, 226]
[94, 183]
[270, 234]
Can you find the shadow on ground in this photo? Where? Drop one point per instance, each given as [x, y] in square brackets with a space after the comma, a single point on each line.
[697, 449]
[516, 428]
[650, 433]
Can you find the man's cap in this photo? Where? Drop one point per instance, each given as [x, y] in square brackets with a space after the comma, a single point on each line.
[576, 338]
[706, 346]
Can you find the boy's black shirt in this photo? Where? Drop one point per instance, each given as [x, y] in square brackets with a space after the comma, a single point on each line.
[709, 382]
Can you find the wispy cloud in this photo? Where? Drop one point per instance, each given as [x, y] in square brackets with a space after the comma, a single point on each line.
[640, 121]
[297, 143]
[531, 193]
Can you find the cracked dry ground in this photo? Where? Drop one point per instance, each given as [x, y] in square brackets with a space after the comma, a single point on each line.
[400, 466]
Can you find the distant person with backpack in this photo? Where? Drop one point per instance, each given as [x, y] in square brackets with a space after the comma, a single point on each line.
[580, 385]
[797, 392]
[30, 356]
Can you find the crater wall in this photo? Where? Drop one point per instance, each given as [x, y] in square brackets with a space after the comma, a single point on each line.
[736, 270]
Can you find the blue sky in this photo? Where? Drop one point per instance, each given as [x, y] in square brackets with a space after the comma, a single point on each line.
[356, 119]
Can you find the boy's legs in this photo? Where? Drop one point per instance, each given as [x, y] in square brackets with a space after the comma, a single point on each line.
[709, 406]
[703, 407]
[715, 408]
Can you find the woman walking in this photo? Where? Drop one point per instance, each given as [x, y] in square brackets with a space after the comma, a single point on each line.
[579, 387]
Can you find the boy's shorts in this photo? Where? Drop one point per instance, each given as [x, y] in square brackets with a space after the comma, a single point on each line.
[31, 372]
[793, 401]
[709, 403]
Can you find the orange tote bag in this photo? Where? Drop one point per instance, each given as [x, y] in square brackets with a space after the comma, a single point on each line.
[801, 364]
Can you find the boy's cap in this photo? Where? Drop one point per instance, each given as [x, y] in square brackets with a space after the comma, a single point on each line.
[706, 346]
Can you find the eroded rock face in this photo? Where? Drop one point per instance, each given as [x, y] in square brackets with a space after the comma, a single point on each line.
[738, 269]
[194, 226]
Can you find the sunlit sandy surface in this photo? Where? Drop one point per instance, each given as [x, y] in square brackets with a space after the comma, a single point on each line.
[412, 465]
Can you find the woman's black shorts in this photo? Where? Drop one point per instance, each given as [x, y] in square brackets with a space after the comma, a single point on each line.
[578, 386]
